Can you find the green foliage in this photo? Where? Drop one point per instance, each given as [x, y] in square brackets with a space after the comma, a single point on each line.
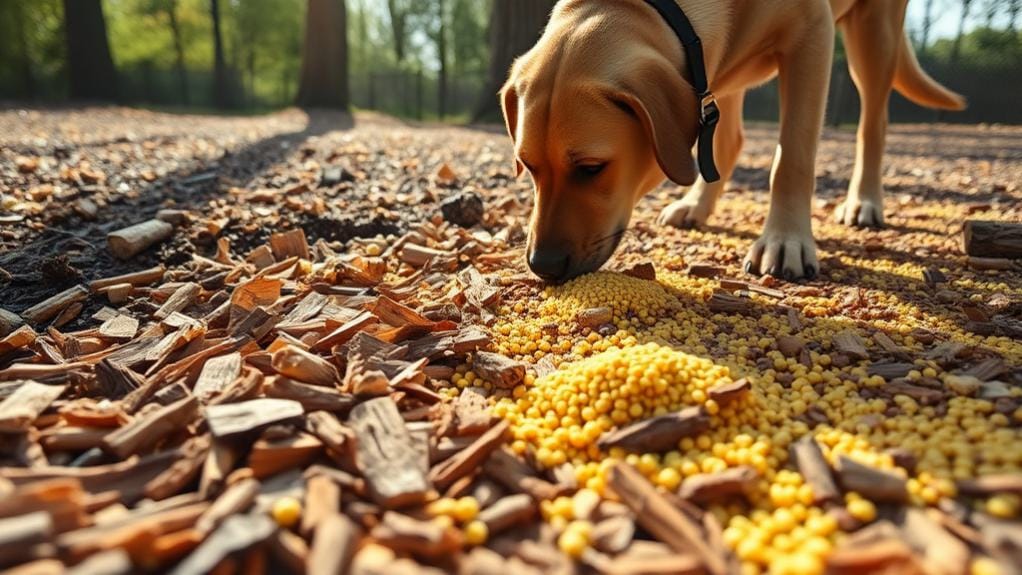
[139, 32]
[31, 48]
[983, 47]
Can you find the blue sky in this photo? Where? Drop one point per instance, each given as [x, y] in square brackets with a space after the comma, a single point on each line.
[946, 14]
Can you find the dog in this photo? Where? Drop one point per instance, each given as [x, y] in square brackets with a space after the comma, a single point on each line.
[603, 109]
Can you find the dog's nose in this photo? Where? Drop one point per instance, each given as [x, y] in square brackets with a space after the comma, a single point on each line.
[551, 265]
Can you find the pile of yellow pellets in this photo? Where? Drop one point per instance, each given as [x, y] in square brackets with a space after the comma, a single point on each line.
[663, 350]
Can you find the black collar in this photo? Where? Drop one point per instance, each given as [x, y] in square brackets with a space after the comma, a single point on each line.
[709, 113]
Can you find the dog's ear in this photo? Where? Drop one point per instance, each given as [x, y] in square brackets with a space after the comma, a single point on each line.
[509, 105]
[665, 103]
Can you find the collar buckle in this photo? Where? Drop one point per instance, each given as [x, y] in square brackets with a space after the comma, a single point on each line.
[709, 112]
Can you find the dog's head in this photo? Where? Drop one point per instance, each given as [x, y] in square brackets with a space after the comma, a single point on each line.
[599, 114]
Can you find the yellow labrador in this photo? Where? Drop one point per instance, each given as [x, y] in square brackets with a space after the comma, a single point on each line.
[602, 109]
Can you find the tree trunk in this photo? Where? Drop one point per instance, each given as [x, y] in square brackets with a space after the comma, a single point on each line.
[1014, 7]
[25, 56]
[221, 90]
[515, 26]
[179, 51]
[927, 25]
[441, 48]
[251, 76]
[992, 7]
[324, 78]
[956, 48]
[92, 73]
[398, 26]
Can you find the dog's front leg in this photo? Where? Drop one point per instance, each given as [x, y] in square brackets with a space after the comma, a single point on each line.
[695, 208]
[786, 248]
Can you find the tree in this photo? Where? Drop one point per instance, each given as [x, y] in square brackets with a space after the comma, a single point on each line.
[169, 9]
[399, 12]
[221, 90]
[515, 26]
[441, 50]
[927, 25]
[24, 54]
[468, 35]
[324, 76]
[91, 68]
[956, 48]
[992, 8]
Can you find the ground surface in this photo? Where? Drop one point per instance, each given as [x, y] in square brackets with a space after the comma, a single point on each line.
[919, 378]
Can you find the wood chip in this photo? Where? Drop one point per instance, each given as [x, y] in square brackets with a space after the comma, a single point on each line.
[705, 271]
[891, 371]
[987, 239]
[472, 412]
[849, 343]
[889, 345]
[511, 472]
[145, 432]
[659, 434]
[306, 367]
[645, 271]
[884, 556]
[728, 393]
[141, 278]
[126, 243]
[20, 338]
[814, 468]
[614, 534]
[446, 473]
[992, 264]
[708, 487]
[182, 299]
[119, 328]
[874, 484]
[660, 518]
[992, 485]
[19, 534]
[238, 418]
[9, 322]
[934, 277]
[942, 553]
[345, 332]
[404, 534]
[386, 454]
[217, 373]
[290, 244]
[274, 455]
[503, 372]
[508, 512]
[721, 302]
[418, 256]
[51, 307]
[237, 533]
[333, 546]
[312, 397]
[21, 408]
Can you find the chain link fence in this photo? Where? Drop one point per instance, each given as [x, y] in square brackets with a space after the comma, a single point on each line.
[986, 69]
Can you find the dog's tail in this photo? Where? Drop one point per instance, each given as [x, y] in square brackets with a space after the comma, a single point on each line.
[915, 84]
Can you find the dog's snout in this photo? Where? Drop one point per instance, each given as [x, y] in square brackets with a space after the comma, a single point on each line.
[550, 264]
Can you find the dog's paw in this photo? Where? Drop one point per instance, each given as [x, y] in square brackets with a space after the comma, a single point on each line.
[860, 213]
[685, 214]
[791, 256]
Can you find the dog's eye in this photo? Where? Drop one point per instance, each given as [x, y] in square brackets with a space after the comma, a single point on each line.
[591, 169]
